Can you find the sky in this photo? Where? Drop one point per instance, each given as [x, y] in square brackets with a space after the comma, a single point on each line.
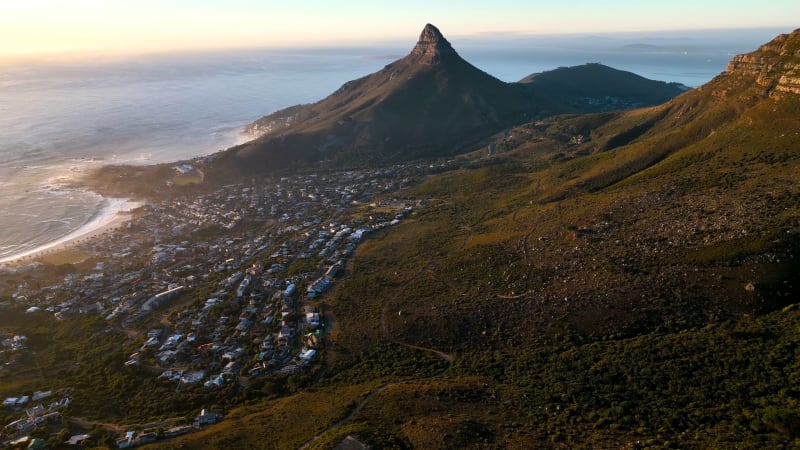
[30, 27]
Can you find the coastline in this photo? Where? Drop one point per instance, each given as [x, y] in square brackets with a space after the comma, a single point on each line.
[115, 214]
[112, 216]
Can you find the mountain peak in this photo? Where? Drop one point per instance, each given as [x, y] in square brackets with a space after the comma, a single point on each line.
[432, 46]
[431, 34]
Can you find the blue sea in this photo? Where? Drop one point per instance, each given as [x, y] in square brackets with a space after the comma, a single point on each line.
[60, 116]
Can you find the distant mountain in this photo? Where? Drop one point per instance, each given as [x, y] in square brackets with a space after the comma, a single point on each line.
[429, 103]
[642, 48]
[595, 87]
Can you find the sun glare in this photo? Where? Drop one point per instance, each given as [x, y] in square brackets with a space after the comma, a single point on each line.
[75, 26]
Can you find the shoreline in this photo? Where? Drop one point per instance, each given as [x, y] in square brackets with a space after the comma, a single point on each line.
[111, 217]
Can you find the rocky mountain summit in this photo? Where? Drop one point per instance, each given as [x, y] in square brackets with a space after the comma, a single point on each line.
[776, 65]
[432, 46]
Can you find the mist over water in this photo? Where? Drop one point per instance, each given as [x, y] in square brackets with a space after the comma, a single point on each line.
[59, 118]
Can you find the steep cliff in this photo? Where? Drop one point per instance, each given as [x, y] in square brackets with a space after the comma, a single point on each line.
[775, 65]
[432, 47]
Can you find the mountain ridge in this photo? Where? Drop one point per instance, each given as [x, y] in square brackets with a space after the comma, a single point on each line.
[430, 103]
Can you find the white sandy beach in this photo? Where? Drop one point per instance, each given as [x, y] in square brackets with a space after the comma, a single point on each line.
[114, 215]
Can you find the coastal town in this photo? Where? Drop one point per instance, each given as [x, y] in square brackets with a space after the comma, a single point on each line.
[233, 280]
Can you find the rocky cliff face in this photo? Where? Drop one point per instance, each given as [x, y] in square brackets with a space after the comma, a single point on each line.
[432, 47]
[775, 65]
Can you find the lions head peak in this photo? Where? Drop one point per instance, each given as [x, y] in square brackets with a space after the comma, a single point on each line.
[432, 47]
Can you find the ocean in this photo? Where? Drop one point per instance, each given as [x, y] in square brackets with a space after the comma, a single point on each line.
[60, 117]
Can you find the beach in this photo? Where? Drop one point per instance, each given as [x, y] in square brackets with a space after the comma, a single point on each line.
[114, 215]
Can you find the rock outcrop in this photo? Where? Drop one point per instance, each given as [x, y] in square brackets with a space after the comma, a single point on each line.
[432, 47]
[775, 65]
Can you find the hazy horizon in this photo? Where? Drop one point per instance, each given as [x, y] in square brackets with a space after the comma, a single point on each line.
[666, 40]
[47, 28]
